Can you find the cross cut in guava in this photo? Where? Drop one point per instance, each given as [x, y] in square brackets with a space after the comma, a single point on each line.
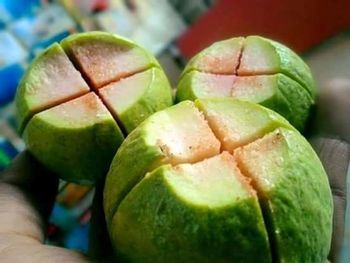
[81, 97]
[253, 69]
[218, 180]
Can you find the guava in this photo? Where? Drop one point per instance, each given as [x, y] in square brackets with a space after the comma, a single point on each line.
[254, 69]
[81, 97]
[218, 180]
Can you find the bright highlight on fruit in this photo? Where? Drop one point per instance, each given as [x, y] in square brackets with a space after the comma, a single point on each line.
[80, 98]
[218, 180]
[254, 69]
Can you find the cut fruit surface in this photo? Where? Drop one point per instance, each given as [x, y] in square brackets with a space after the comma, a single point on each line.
[196, 84]
[258, 58]
[266, 72]
[178, 134]
[126, 97]
[87, 135]
[78, 113]
[51, 80]
[219, 58]
[294, 193]
[125, 84]
[104, 58]
[268, 202]
[182, 133]
[236, 123]
[213, 182]
[264, 56]
[256, 89]
[184, 217]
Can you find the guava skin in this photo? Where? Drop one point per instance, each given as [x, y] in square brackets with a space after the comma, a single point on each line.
[75, 137]
[152, 219]
[292, 92]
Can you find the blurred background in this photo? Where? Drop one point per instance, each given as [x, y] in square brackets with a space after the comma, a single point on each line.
[174, 30]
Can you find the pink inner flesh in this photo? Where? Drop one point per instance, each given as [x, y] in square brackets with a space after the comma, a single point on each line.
[251, 88]
[254, 88]
[82, 112]
[258, 57]
[187, 137]
[263, 160]
[221, 58]
[120, 95]
[210, 85]
[55, 81]
[104, 62]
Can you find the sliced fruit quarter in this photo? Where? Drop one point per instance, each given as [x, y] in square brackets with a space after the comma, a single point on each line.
[134, 98]
[277, 92]
[213, 182]
[88, 138]
[219, 58]
[202, 212]
[196, 84]
[178, 134]
[264, 56]
[183, 134]
[256, 89]
[258, 57]
[104, 58]
[236, 123]
[294, 192]
[49, 81]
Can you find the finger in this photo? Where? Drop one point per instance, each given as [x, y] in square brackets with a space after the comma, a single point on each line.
[27, 193]
[18, 249]
[38, 184]
[335, 155]
[99, 244]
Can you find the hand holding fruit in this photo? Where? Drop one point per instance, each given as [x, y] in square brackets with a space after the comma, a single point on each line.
[217, 179]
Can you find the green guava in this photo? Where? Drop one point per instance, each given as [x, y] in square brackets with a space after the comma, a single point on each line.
[218, 180]
[80, 98]
[254, 69]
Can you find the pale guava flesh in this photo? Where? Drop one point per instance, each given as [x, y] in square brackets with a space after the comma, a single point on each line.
[50, 80]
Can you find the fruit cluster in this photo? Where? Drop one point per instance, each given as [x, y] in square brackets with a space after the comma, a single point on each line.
[214, 178]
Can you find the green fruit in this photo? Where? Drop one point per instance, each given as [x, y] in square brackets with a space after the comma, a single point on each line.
[80, 98]
[253, 69]
[218, 180]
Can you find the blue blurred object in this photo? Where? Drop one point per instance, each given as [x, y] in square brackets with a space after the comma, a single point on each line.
[9, 79]
[11, 51]
[7, 153]
[63, 217]
[78, 238]
[8, 148]
[5, 17]
[12, 55]
[39, 47]
[50, 25]
[18, 8]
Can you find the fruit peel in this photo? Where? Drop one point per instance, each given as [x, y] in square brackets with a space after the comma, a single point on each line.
[85, 150]
[197, 233]
[297, 185]
[295, 201]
